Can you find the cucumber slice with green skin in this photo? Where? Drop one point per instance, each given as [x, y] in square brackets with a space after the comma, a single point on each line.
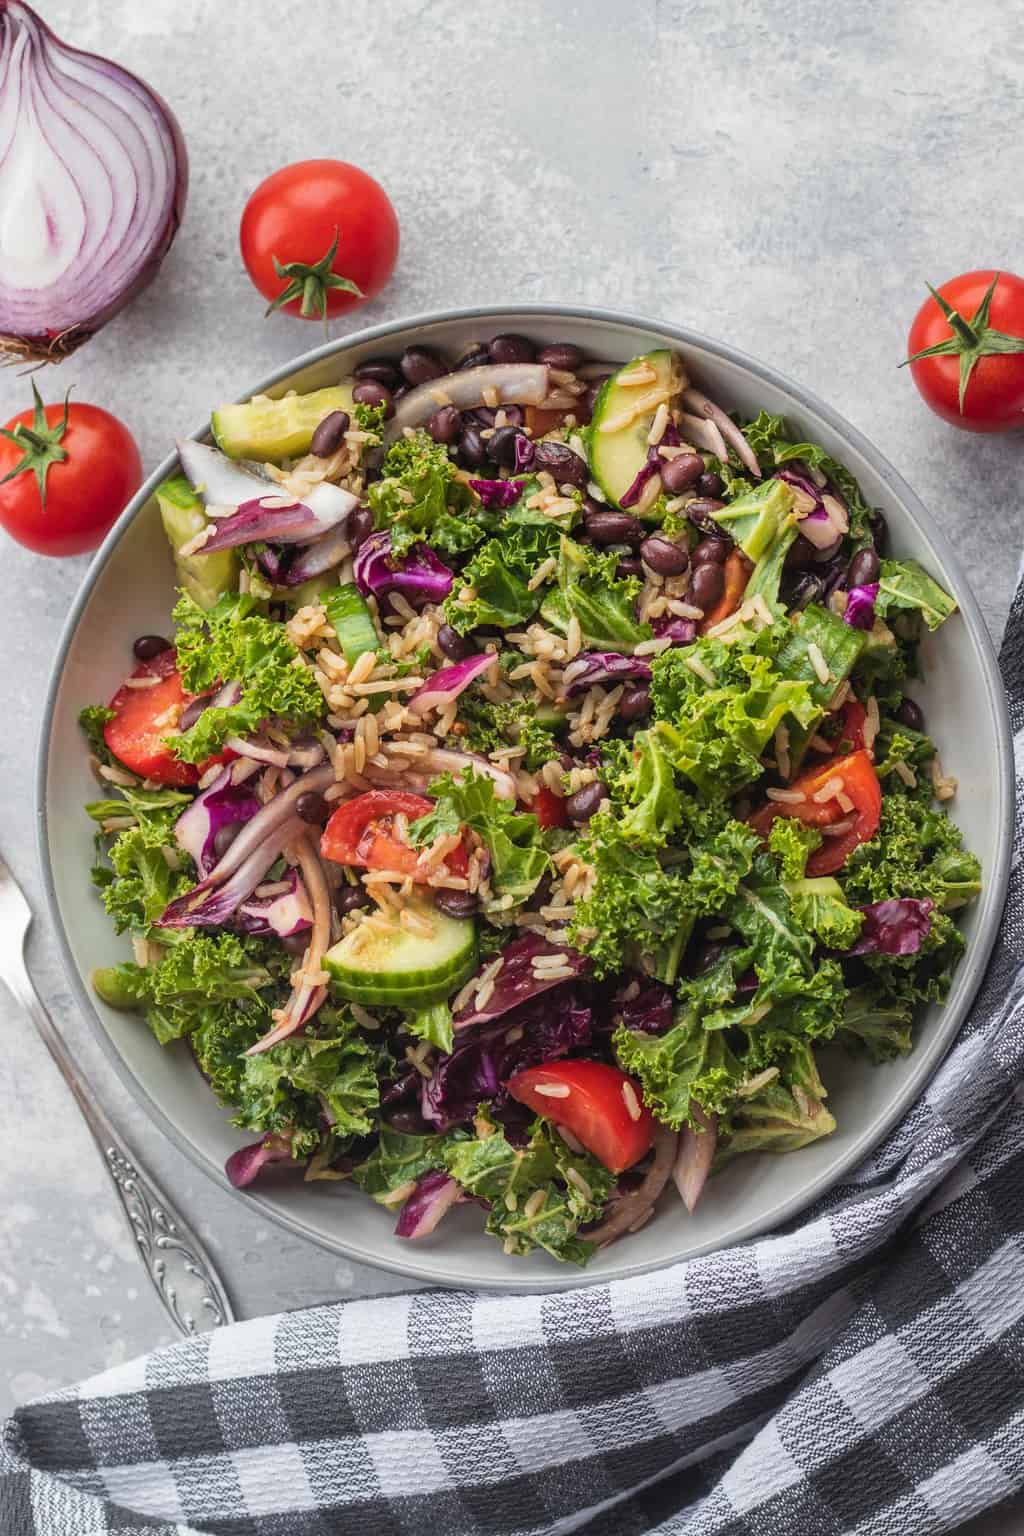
[617, 439]
[270, 430]
[550, 716]
[352, 620]
[396, 968]
[204, 577]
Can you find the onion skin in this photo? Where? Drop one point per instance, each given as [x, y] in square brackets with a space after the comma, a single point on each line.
[52, 343]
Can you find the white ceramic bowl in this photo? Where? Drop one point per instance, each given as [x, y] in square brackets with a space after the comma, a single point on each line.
[129, 591]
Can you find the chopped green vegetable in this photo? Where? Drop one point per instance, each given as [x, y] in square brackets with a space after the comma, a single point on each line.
[590, 591]
[513, 838]
[903, 584]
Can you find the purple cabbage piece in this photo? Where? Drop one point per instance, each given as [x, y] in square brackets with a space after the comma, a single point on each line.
[434, 1195]
[604, 667]
[652, 465]
[245, 1165]
[679, 631]
[274, 563]
[516, 982]
[526, 452]
[486, 1057]
[221, 805]
[498, 493]
[860, 606]
[896, 927]
[441, 688]
[419, 576]
[649, 1011]
[211, 903]
[280, 916]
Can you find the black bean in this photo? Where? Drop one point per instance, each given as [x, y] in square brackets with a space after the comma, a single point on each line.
[582, 805]
[706, 585]
[800, 554]
[148, 646]
[664, 557]
[445, 425]
[561, 354]
[456, 903]
[472, 448]
[328, 437]
[701, 512]
[501, 447]
[359, 526]
[382, 370]
[910, 714]
[879, 530]
[604, 526]
[479, 357]
[711, 552]
[560, 460]
[408, 1121]
[682, 472]
[828, 555]
[630, 565]
[419, 365]
[296, 943]
[511, 349]
[455, 646]
[710, 484]
[312, 807]
[634, 701]
[225, 836]
[350, 898]
[808, 588]
[863, 568]
[369, 392]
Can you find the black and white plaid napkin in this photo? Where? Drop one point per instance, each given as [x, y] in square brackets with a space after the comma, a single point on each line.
[861, 1371]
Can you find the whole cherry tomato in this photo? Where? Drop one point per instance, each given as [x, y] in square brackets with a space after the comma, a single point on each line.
[966, 351]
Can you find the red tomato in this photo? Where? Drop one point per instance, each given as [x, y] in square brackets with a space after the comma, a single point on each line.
[595, 1108]
[852, 726]
[319, 238]
[966, 351]
[860, 784]
[67, 472]
[134, 735]
[548, 808]
[362, 832]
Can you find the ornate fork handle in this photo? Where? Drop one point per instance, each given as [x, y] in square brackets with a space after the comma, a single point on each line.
[179, 1268]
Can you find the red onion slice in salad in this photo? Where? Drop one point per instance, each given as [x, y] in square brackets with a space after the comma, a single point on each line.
[695, 1156]
[512, 383]
[444, 687]
[245, 1165]
[210, 903]
[307, 991]
[220, 481]
[703, 434]
[274, 519]
[221, 804]
[700, 405]
[433, 1197]
[632, 1210]
[283, 914]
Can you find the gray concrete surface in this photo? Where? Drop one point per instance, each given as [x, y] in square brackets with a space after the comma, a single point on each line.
[782, 175]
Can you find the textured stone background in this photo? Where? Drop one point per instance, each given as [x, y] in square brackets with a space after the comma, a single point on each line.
[782, 174]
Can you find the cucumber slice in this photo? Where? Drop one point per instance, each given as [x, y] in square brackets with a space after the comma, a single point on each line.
[204, 577]
[400, 969]
[271, 430]
[352, 620]
[618, 441]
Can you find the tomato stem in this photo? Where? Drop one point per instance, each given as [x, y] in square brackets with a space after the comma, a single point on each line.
[40, 444]
[309, 282]
[971, 340]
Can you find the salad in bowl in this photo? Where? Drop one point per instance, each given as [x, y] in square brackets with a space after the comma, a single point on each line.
[528, 791]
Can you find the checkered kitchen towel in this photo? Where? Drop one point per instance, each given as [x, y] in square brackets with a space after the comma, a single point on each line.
[861, 1371]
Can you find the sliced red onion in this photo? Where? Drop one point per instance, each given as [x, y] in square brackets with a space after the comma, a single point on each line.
[700, 405]
[276, 520]
[444, 687]
[440, 760]
[300, 754]
[220, 481]
[829, 520]
[517, 981]
[513, 383]
[859, 612]
[419, 576]
[222, 804]
[695, 1156]
[210, 903]
[285, 914]
[316, 558]
[245, 1165]
[703, 434]
[633, 1209]
[434, 1195]
[93, 179]
[307, 992]
[603, 667]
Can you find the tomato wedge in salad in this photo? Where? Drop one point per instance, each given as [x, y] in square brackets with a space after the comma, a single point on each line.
[854, 777]
[365, 832]
[548, 808]
[144, 715]
[600, 1105]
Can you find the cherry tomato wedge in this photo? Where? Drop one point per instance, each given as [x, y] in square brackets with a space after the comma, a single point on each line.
[859, 784]
[362, 832]
[143, 717]
[593, 1100]
[852, 728]
[737, 574]
[548, 808]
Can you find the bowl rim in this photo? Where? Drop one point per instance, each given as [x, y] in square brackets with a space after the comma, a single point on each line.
[428, 1267]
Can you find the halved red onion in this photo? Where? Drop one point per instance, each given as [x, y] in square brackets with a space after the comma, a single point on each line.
[284, 913]
[444, 687]
[513, 384]
[307, 992]
[695, 1156]
[245, 1165]
[700, 405]
[221, 804]
[93, 179]
[433, 1197]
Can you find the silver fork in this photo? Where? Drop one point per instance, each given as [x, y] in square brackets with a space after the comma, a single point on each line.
[179, 1268]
